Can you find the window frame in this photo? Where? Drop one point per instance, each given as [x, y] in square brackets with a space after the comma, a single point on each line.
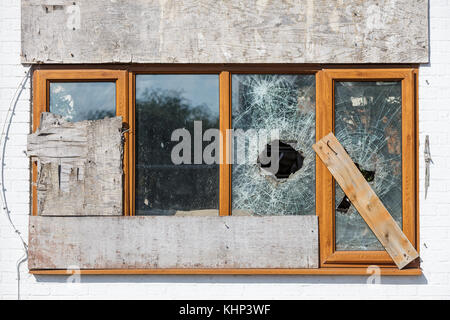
[41, 103]
[332, 263]
[329, 256]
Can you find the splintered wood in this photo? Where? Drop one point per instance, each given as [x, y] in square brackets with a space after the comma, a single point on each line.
[365, 200]
[79, 166]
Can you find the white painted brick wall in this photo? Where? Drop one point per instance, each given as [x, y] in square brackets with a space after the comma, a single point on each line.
[434, 95]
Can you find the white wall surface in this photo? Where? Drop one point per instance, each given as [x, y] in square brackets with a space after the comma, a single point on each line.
[434, 100]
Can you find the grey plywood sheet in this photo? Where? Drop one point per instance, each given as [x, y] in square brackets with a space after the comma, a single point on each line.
[173, 242]
[79, 166]
[234, 31]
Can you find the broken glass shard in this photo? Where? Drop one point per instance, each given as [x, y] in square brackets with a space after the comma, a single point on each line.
[289, 160]
[368, 124]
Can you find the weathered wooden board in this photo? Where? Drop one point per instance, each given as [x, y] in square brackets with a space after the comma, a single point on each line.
[232, 31]
[365, 200]
[173, 242]
[79, 166]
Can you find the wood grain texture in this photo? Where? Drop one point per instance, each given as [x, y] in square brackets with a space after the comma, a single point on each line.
[365, 200]
[79, 166]
[173, 242]
[209, 31]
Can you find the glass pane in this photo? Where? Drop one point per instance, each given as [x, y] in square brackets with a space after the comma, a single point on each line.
[172, 177]
[269, 112]
[77, 101]
[368, 123]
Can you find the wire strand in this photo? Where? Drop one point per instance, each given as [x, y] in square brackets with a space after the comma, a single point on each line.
[3, 142]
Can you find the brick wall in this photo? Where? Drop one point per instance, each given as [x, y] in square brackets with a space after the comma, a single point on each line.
[434, 99]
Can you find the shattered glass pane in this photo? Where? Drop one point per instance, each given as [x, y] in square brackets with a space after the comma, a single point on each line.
[78, 101]
[289, 160]
[261, 104]
[368, 125]
[166, 104]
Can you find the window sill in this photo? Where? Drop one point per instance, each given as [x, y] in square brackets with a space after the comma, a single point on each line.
[321, 271]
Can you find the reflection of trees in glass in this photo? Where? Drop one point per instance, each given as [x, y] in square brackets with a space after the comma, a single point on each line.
[162, 187]
[78, 101]
[158, 114]
[62, 103]
[368, 125]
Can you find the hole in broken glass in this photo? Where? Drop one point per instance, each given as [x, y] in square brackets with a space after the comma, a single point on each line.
[345, 203]
[289, 160]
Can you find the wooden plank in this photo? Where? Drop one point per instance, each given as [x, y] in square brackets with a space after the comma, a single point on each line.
[79, 166]
[365, 200]
[233, 31]
[145, 242]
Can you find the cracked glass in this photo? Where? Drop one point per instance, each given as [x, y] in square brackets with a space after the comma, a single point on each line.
[368, 123]
[263, 104]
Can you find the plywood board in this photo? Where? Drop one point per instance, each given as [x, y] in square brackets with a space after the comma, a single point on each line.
[232, 31]
[365, 200]
[79, 166]
[173, 242]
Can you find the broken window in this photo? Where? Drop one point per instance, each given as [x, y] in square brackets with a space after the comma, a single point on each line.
[77, 101]
[371, 111]
[368, 123]
[263, 104]
[288, 161]
[165, 105]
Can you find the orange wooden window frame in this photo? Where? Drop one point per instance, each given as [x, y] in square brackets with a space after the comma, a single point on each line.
[341, 262]
[41, 100]
[325, 184]
[224, 76]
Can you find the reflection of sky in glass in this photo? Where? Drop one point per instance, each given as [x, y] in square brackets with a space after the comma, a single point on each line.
[198, 89]
[77, 101]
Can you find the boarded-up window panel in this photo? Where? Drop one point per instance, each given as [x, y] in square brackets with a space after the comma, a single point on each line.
[79, 166]
[147, 242]
[365, 200]
[232, 31]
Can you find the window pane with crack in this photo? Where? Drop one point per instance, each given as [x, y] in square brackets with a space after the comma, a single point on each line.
[368, 125]
[272, 115]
